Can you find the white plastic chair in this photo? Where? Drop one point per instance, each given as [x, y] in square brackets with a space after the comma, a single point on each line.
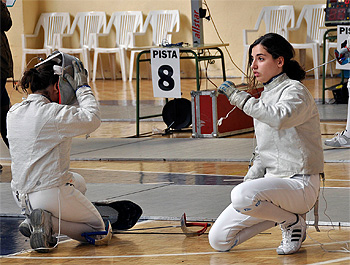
[276, 19]
[162, 23]
[87, 23]
[124, 22]
[314, 16]
[53, 24]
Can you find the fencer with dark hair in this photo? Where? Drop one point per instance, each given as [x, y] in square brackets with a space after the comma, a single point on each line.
[283, 182]
[40, 132]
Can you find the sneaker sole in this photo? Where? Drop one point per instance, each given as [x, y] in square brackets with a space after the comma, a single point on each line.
[38, 239]
[38, 242]
[337, 145]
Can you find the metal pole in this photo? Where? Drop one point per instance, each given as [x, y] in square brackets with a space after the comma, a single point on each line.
[138, 95]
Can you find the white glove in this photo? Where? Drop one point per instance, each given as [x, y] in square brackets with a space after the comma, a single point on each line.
[80, 76]
[235, 96]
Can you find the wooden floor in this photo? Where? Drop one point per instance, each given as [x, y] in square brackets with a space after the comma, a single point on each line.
[147, 248]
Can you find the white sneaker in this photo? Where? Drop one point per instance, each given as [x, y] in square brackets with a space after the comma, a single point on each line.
[292, 237]
[339, 140]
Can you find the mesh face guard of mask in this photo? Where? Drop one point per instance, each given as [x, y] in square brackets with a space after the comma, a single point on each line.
[66, 92]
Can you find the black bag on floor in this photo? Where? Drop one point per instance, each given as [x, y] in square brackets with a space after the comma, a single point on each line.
[340, 93]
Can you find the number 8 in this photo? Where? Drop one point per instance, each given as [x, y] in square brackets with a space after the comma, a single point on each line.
[165, 82]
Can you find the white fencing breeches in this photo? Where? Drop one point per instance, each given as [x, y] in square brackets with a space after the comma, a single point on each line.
[260, 204]
[69, 204]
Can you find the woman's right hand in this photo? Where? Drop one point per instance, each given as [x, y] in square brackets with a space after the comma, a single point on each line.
[80, 76]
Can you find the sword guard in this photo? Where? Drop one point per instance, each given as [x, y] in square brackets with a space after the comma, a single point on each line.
[190, 233]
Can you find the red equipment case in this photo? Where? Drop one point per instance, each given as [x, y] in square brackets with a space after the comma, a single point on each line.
[208, 106]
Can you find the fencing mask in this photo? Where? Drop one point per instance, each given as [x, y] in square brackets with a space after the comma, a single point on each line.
[64, 61]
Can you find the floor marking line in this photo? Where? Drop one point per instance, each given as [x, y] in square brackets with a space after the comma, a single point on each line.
[123, 256]
[155, 172]
[330, 261]
[164, 255]
[344, 188]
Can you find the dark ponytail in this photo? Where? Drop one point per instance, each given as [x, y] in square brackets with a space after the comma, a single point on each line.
[277, 46]
[38, 78]
[294, 70]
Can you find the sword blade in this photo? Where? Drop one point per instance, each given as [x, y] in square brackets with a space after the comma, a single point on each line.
[321, 65]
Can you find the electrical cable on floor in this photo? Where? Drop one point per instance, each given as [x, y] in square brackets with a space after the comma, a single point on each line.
[343, 249]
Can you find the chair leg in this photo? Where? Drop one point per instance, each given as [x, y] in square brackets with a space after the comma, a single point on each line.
[101, 66]
[86, 61]
[24, 57]
[315, 55]
[94, 66]
[132, 57]
[112, 63]
[122, 55]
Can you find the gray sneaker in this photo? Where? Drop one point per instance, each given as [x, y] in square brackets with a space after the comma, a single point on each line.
[292, 237]
[25, 228]
[339, 140]
[41, 238]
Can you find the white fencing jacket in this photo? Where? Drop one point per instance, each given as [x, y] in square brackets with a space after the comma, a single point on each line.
[287, 128]
[40, 134]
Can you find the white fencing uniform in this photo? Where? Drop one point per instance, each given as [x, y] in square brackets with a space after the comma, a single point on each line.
[285, 176]
[40, 134]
